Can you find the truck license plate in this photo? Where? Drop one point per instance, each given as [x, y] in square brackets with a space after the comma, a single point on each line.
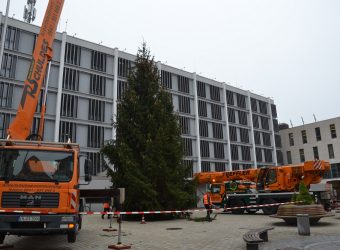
[25, 218]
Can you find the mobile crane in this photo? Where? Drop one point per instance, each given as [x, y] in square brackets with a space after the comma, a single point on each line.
[39, 181]
[267, 185]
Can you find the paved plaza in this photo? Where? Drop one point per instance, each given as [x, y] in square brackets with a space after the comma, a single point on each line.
[225, 232]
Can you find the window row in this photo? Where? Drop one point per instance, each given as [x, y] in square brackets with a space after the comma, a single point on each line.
[219, 166]
[12, 37]
[72, 54]
[315, 150]
[6, 93]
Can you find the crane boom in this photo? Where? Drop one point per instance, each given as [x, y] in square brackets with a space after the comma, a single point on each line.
[20, 128]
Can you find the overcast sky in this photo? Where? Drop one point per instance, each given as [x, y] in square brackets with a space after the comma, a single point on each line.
[285, 49]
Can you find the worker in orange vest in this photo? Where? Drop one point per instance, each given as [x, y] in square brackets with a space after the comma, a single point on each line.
[106, 207]
[208, 205]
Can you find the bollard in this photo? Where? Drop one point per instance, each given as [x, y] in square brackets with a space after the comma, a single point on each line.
[303, 225]
[110, 229]
[143, 220]
[119, 244]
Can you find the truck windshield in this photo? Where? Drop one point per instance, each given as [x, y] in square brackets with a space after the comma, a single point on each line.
[35, 165]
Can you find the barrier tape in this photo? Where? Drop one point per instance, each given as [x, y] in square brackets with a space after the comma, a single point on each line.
[155, 212]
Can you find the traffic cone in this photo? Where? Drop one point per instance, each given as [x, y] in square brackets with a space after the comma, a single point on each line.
[143, 220]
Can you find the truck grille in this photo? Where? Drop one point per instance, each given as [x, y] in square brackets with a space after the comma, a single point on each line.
[16, 200]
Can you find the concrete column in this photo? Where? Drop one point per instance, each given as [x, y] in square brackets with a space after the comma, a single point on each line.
[60, 86]
[271, 127]
[115, 89]
[227, 126]
[4, 30]
[198, 139]
[252, 136]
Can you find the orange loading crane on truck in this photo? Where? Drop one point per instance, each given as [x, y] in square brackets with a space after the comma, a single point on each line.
[261, 185]
[40, 179]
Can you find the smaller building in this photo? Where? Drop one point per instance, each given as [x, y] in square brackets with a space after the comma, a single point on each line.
[318, 140]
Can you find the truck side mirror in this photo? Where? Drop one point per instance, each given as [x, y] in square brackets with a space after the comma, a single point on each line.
[88, 170]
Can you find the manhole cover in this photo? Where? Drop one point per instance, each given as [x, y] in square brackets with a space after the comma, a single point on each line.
[174, 228]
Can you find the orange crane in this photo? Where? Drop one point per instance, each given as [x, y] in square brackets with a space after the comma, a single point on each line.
[40, 179]
[261, 185]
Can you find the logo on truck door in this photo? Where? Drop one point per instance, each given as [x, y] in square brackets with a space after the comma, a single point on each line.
[34, 74]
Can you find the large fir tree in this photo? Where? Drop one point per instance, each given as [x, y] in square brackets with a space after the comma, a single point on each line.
[147, 152]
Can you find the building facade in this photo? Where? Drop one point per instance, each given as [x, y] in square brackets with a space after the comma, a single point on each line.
[223, 127]
[315, 140]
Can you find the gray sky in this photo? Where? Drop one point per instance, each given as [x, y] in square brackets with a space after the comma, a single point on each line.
[285, 49]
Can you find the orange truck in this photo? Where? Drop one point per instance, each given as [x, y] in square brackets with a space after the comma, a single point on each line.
[39, 181]
[261, 186]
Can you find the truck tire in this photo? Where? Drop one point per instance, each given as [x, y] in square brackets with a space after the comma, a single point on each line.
[237, 203]
[270, 209]
[2, 238]
[71, 237]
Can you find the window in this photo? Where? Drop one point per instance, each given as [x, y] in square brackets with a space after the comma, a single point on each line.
[264, 123]
[289, 157]
[232, 133]
[95, 136]
[72, 54]
[218, 150]
[215, 93]
[244, 133]
[4, 124]
[97, 85]
[71, 79]
[69, 105]
[12, 38]
[166, 79]
[259, 154]
[263, 107]
[201, 92]
[188, 164]
[333, 131]
[98, 61]
[316, 153]
[231, 115]
[256, 123]
[183, 84]
[279, 156]
[96, 110]
[202, 109]
[302, 155]
[245, 150]
[67, 130]
[304, 136]
[184, 104]
[122, 86]
[241, 100]
[217, 130]
[276, 125]
[257, 137]
[330, 151]
[318, 134]
[8, 67]
[230, 97]
[97, 162]
[6, 93]
[204, 149]
[291, 139]
[205, 166]
[234, 152]
[204, 132]
[124, 67]
[219, 166]
[246, 166]
[242, 117]
[216, 112]
[268, 156]
[235, 166]
[253, 103]
[274, 112]
[278, 143]
[185, 124]
[187, 144]
[266, 139]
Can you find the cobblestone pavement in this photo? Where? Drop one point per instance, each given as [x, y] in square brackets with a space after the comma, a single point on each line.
[225, 232]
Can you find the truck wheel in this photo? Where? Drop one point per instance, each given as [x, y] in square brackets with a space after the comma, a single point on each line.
[270, 209]
[2, 238]
[71, 237]
[237, 203]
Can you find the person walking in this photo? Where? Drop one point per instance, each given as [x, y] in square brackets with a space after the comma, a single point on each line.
[208, 205]
[106, 207]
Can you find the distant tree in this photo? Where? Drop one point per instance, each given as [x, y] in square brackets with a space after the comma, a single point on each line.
[147, 153]
[303, 197]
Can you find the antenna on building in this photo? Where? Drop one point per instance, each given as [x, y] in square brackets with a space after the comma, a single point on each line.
[303, 122]
[291, 124]
[66, 24]
[314, 117]
[30, 11]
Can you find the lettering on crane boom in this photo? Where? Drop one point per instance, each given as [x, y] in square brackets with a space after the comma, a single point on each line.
[238, 173]
[31, 86]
